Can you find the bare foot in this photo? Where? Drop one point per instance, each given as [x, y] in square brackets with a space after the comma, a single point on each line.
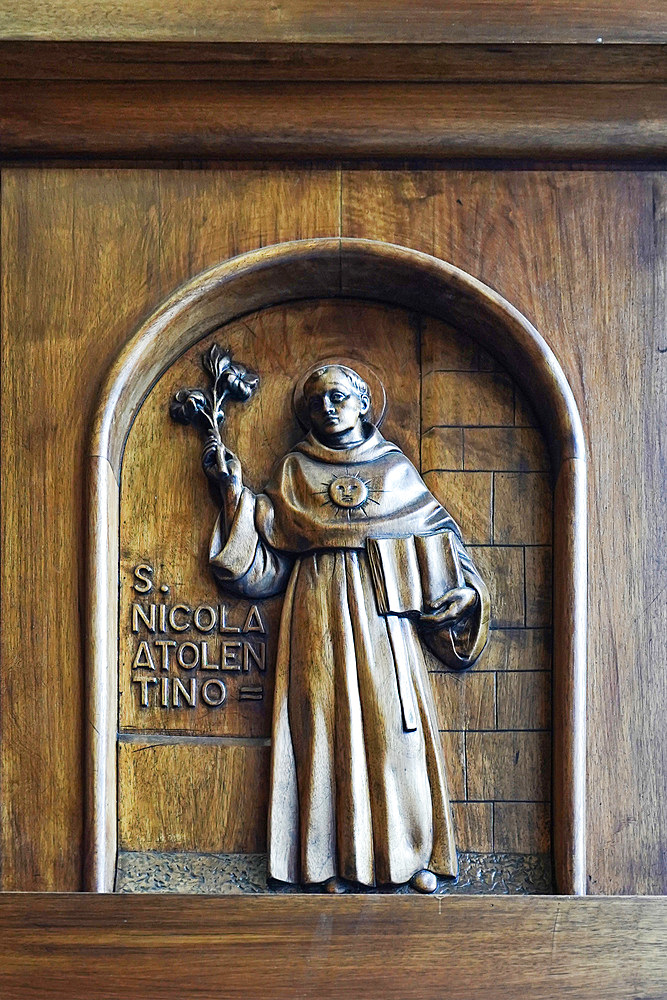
[424, 881]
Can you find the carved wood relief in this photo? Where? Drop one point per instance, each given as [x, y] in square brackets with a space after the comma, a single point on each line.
[193, 752]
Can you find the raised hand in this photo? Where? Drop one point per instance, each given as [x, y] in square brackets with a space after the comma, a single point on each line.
[219, 463]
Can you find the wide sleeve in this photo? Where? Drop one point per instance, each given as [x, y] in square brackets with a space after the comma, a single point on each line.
[459, 646]
[243, 562]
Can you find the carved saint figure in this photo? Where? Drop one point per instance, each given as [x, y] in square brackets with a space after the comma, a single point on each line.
[371, 565]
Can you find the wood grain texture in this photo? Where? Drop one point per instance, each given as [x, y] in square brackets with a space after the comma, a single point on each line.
[201, 798]
[509, 767]
[522, 826]
[509, 449]
[85, 265]
[186, 797]
[165, 494]
[464, 702]
[628, 62]
[538, 561]
[523, 700]
[467, 398]
[473, 822]
[51, 301]
[503, 566]
[522, 508]
[286, 121]
[373, 271]
[458, 948]
[545, 238]
[468, 497]
[313, 21]
[570, 570]
[453, 744]
[442, 449]
[505, 230]
[506, 514]
[519, 649]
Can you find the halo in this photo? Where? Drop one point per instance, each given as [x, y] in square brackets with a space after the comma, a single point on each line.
[375, 387]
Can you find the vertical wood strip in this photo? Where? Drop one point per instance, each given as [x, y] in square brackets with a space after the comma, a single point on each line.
[569, 677]
[102, 680]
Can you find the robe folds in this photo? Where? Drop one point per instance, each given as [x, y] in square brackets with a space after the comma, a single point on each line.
[358, 780]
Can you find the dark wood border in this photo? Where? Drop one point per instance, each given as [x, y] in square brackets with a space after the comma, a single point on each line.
[184, 120]
[330, 268]
[396, 60]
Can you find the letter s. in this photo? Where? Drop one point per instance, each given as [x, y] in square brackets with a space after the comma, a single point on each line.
[143, 582]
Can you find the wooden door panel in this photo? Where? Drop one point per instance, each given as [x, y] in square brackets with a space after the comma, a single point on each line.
[87, 253]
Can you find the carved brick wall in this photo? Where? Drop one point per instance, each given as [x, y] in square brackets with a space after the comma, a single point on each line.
[485, 460]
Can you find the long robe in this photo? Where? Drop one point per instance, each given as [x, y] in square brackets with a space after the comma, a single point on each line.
[358, 781]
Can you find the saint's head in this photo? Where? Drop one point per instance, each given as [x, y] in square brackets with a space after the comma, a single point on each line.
[338, 401]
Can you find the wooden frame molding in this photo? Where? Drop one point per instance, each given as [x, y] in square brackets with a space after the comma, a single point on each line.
[284, 120]
[538, 947]
[338, 268]
[397, 60]
[496, 22]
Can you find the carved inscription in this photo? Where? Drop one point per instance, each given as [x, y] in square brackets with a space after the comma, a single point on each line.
[185, 654]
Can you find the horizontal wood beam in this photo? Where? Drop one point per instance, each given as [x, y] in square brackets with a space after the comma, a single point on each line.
[136, 946]
[311, 21]
[614, 122]
[387, 61]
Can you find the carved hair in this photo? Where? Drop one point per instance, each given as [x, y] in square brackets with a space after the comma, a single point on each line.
[359, 387]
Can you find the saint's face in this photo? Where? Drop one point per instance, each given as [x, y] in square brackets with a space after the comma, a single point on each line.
[335, 410]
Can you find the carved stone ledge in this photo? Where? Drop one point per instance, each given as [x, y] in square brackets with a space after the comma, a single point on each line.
[240, 874]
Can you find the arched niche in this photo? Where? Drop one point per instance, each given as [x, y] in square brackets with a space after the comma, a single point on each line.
[350, 269]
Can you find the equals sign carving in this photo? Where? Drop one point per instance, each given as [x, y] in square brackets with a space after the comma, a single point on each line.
[250, 693]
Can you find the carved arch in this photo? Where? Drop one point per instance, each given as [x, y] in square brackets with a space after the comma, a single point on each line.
[339, 268]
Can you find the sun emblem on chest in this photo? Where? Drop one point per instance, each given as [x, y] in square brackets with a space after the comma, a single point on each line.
[348, 493]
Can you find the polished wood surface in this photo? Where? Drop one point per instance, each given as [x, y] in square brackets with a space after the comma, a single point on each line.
[368, 270]
[65, 316]
[629, 62]
[322, 947]
[312, 21]
[545, 239]
[278, 343]
[207, 798]
[283, 120]
[164, 496]
[102, 612]
[86, 254]
[43, 462]
[541, 237]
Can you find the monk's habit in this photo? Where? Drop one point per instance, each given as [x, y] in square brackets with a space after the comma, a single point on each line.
[361, 549]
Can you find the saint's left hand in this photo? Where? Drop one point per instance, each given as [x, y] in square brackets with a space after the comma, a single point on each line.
[457, 605]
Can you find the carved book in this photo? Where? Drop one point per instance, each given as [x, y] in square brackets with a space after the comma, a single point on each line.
[412, 575]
